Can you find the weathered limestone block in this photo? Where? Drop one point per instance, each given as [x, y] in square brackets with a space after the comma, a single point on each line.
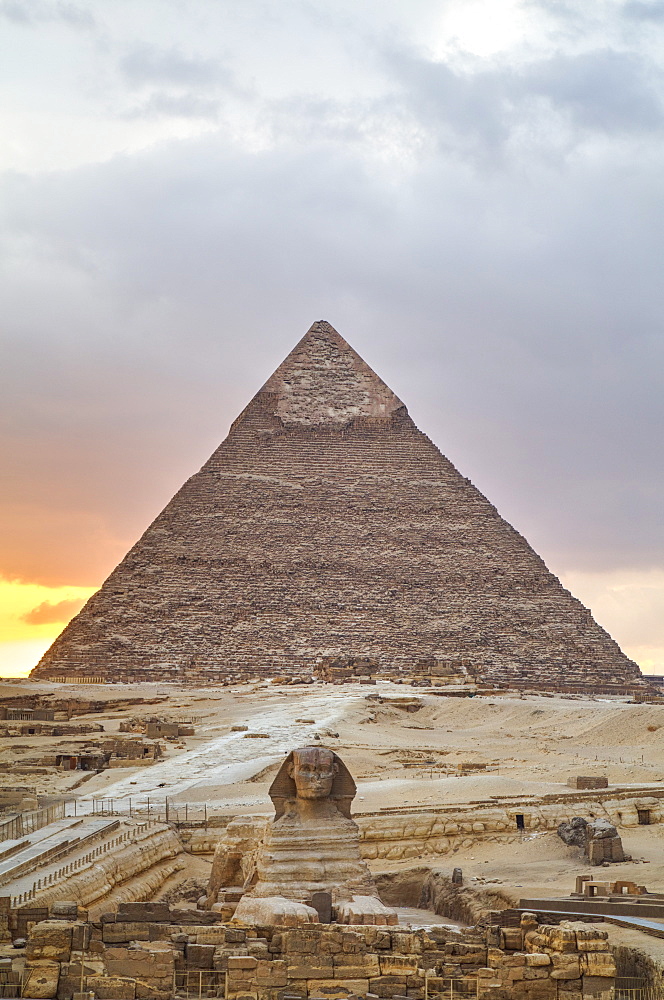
[398, 965]
[311, 967]
[591, 939]
[41, 982]
[50, 939]
[565, 966]
[143, 912]
[111, 987]
[537, 959]
[273, 975]
[200, 956]
[356, 966]
[601, 964]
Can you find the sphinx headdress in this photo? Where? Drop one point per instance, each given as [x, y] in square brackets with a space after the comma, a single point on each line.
[283, 786]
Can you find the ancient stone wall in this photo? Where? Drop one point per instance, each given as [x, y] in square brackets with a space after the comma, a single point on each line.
[147, 951]
[413, 833]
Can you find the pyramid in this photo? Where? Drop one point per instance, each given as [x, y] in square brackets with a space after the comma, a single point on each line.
[327, 528]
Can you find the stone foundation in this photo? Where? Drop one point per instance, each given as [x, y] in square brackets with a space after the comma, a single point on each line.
[146, 951]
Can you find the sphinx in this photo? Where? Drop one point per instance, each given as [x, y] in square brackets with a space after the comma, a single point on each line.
[311, 846]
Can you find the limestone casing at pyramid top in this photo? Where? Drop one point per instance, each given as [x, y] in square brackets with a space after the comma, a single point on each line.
[324, 382]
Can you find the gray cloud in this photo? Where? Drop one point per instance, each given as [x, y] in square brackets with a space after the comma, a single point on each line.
[35, 11]
[642, 10]
[150, 64]
[186, 105]
[488, 239]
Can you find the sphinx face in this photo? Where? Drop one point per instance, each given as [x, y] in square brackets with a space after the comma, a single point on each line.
[313, 773]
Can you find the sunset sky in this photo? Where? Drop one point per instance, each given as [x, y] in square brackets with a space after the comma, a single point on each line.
[471, 191]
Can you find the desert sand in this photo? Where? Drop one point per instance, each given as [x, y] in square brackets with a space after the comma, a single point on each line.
[529, 746]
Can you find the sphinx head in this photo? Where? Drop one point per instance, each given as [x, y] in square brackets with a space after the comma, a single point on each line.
[313, 770]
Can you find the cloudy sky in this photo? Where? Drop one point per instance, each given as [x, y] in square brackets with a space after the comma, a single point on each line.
[471, 191]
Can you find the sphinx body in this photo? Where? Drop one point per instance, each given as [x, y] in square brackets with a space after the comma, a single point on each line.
[311, 846]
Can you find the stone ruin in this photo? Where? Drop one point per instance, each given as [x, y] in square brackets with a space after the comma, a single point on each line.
[328, 525]
[296, 916]
[150, 951]
[598, 837]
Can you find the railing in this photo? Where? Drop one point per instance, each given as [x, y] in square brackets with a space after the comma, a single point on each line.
[87, 859]
[29, 822]
[634, 989]
[200, 983]
[449, 989]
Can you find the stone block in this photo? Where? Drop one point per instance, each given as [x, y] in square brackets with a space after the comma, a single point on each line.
[258, 948]
[67, 986]
[211, 935]
[310, 967]
[301, 940]
[49, 939]
[235, 935]
[536, 959]
[337, 989]
[598, 963]
[537, 989]
[562, 939]
[565, 966]
[80, 938]
[356, 966]
[478, 957]
[41, 983]
[511, 938]
[242, 962]
[387, 986]
[591, 940]
[121, 932]
[272, 974]
[514, 961]
[353, 942]
[407, 943]
[398, 965]
[595, 985]
[377, 938]
[111, 987]
[199, 956]
[64, 909]
[153, 991]
[144, 912]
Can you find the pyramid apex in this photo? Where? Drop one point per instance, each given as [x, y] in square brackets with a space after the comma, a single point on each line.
[323, 381]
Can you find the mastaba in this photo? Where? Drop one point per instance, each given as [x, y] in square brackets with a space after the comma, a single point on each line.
[327, 525]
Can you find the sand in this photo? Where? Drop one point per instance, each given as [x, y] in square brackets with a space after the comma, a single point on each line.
[530, 746]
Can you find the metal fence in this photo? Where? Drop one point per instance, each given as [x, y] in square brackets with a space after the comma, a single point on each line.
[200, 983]
[634, 989]
[437, 988]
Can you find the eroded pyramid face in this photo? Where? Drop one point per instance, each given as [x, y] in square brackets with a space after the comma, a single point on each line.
[327, 529]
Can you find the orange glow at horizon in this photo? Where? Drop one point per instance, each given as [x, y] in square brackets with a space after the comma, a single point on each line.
[31, 617]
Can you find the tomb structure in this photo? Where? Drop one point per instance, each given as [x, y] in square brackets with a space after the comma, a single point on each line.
[327, 529]
[308, 866]
[599, 838]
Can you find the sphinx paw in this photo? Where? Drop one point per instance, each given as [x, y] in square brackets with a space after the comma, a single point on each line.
[274, 910]
[366, 910]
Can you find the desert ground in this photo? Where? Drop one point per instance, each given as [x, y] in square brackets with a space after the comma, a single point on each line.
[405, 747]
